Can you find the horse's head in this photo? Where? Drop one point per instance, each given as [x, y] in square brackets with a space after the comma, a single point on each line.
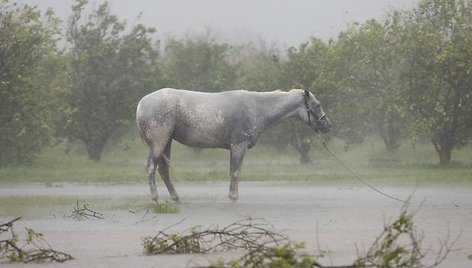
[315, 116]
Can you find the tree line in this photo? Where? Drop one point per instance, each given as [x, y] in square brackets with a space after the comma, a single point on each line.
[406, 78]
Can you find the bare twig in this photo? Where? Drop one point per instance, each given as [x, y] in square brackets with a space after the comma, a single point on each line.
[173, 225]
[5, 227]
[144, 218]
[447, 246]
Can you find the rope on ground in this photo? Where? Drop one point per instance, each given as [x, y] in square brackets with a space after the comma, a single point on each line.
[333, 155]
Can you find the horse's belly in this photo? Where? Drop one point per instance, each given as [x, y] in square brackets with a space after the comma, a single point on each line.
[203, 125]
[200, 137]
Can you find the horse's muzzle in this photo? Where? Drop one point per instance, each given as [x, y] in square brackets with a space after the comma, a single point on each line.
[324, 125]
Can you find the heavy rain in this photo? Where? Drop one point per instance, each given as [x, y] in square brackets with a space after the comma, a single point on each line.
[340, 131]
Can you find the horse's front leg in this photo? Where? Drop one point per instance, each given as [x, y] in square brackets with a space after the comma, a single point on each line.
[237, 155]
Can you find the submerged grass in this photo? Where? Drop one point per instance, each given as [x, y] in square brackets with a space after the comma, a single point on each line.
[35, 205]
[44, 206]
[124, 163]
[165, 207]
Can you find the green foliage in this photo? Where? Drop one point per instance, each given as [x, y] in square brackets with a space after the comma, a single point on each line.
[110, 70]
[387, 252]
[199, 63]
[284, 256]
[399, 245]
[260, 68]
[173, 244]
[165, 207]
[28, 84]
[373, 75]
[438, 71]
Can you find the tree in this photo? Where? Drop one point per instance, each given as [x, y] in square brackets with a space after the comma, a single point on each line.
[260, 68]
[327, 70]
[438, 71]
[109, 71]
[199, 63]
[375, 75]
[28, 85]
[346, 102]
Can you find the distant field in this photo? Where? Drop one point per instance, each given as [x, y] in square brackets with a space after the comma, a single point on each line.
[124, 163]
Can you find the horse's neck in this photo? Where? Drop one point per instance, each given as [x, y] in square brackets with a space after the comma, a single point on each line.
[275, 109]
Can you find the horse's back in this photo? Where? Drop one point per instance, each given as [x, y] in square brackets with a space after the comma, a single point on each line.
[167, 98]
[198, 119]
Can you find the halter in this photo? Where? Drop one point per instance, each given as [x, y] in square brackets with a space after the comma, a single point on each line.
[309, 112]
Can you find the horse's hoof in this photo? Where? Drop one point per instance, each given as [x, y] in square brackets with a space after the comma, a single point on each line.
[176, 199]
[233, 198]
[155, 198]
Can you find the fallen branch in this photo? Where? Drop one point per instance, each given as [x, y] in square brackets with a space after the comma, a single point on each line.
[83, 212]
[36, 249]
[286, 255]
[398, 245]
[246, 234]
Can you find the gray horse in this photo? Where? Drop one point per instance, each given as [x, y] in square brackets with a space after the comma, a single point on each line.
[231, 120]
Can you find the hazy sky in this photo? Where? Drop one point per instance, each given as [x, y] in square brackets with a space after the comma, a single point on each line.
[286, 22]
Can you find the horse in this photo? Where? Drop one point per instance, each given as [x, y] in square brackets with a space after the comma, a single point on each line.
[231, 120]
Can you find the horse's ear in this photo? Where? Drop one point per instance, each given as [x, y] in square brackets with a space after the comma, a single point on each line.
[307, 94]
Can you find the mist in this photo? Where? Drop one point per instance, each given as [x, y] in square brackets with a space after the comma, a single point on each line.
[286, 23]
[395, 87]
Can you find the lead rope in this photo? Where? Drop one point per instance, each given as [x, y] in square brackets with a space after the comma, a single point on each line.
[333, 155]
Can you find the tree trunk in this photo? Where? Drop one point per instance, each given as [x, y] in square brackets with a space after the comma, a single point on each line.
[391, 143]
[303, 147]
[94, 150]
[391, 133]
[305, 155]
[444, 156]
[443, 145]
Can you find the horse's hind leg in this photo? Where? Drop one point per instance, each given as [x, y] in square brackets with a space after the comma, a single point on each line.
[163, 166]
[151, 169]
[156, 152]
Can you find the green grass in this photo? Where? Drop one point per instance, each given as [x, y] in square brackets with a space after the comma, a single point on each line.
[166, 207]
[124, 163]
[40, 206]
[16, 206]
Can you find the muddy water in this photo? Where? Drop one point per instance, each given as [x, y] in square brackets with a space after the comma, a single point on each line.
[339, 221]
